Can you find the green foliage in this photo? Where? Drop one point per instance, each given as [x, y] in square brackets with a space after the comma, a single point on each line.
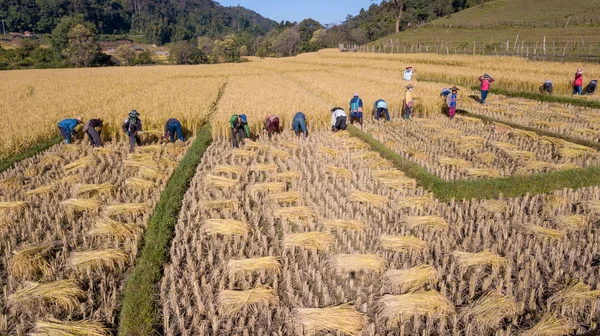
[143, 58]
[126, 53]
[185, 52]
[226, 51]
[82, 47]
[9, 162]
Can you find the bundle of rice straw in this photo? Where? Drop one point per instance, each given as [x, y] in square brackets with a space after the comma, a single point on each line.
[264, 168]
[16, 205]
[107, 227]
[54, 327]
[570, 152]
[254, 265]
[267, 187]
[526, 134]
[341, 172]
[81, 204]
[291, 213]
[31, 261]
[284, 197]
[552, 141]
[104, 150]
[402, 243]
[416, 154]
[138, 183]
[554, 201]
[50, 159]
[70, 148]
[84, 162]
[109, 259]
[229, 169]
[419, 303]
[504, 145]
[255, 145]
[243, 153]
[367, 198]
[344, 319]
[287, 176]
[494, 205]
[460, 163]
[68, 179]
[218, 204]
[278, 153]
[469, 119]
[551, 325]
[219, 182]
[126, 208]
[572, 222]
[562, 166]
[390, 173]
[327, 151]
[490, 310]
[311, 240]
[151, 148]
[150, 163]
[516, 154]
[62, 293]
[355, 144]
[346, 263]
[232, 301]
[12, 182]
[398, 182]
[413, 201]
[42, 190]
[140, 157]
[290, 145]
[149, 173]
[343, 224]
[482, 172]
[485, 257]
[575, 295]
[366, 156]
[545, 232]
[225, 227]
[435, 222]
[485, 157]
[93, 189]
[412, 279]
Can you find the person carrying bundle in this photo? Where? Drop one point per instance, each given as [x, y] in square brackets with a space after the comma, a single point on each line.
[578, 83]
[93, 128]
[272, 124]
[485, 81]
[338, 119]
[356, 110]
[239, 127]
[299, 125]
[381, 108]
[408, 102]
[451, 99]
[67, 128]
[547, 87]
[408, 74]
[590, 89]
[132, 127]
[172, 127]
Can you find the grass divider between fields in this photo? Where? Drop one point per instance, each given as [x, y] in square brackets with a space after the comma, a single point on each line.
[10, 161]
[141, 298]
[514, 186]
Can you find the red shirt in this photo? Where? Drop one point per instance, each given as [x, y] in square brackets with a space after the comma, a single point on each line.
[579, 79]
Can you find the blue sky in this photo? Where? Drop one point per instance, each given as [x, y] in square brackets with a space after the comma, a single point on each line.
[324, 11]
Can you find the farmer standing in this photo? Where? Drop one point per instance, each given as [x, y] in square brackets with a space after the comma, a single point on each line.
[408, 102]
[132, 126]
[67, 128]
[408, 73]
[93, 128]
[356, 110]
[381, 108]
[239, 126]
[338, 119]
[299, 125]
[451, 99]
[485, 81]
[272, 124]
[172, 127]
[578, 84]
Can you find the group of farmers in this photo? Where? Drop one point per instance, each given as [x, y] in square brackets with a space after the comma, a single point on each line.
[132, 126]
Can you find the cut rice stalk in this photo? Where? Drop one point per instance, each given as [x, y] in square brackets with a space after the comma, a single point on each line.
[151, 148]
[346, 263]
[54, 327]
[545, 232]
[490, 310]
[138, 183]
[255, 145]
[149, 173]
[455, 162]
[312, 240]
[575, 294]
[435, 222]
[284, 197]
[50, 159]
[344, 319]
[84, 162]
[551, 325]
[227, 169]
[218, 204]
[17, 205]
[572, 223]
[93, 189]
[390, 174]
[494, 206]
[368, 198]
[150, 164]
[344, 224]
[402, 243]
[107, 260]
[485, 257]
[413, 202]
[29, 262]
[107, 227]
[485, 157]
[68, 179]
[81, 204]
[421, 303]
[412, 279]
[482, 172]
[327, 151]
[278, 153]
[225, 227]
[264, 168]
[232, 301]
[243, 153]
[64, 294]
[42, 190]
[287, 176]
[416, 154]
[341, 172]
[267, 187]
[126, 208]
[219, 182]
[292, 213]
[254, 265]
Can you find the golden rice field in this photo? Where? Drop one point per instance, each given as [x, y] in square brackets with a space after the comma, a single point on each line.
[71, 221]
[286, 237]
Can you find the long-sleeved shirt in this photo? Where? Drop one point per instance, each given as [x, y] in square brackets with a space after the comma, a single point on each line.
[408, 74]
[69, 124]
[356, 105]
[171, 122]
[132, 126]
[93, 123]
[235, 123]
[451, 100]
[485, 83]
[337, 113]
[299, 115]
[380, 104]
[578, 79]
[408, 97]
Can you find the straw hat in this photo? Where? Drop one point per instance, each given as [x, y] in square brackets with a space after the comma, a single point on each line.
[410, 86]
[454, 88]
[80, 119]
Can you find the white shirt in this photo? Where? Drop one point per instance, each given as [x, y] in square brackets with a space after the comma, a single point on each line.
[408, 75]
[337, 113]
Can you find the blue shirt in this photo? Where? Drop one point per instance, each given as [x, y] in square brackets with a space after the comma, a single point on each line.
[300, 115]
[381, 104]
[69, 124]
[355, 104]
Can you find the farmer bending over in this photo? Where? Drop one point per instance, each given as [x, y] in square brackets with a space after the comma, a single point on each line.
[338, 119]
[93, 128]
[381, 108]
[299, 125]
[272, 124]
[132, 126]
[239, 126]
[172, 127]
[67, 128]
[356, 110]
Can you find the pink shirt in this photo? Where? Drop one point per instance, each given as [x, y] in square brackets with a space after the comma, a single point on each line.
[485, 83]
[579, 79]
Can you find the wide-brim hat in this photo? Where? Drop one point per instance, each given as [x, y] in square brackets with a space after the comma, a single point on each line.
[134, 114]
[454, 88]
[409, 67]
[410, 86]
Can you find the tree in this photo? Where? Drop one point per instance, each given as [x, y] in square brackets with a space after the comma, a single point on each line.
[144, 58]
[82, 47]
[398, 9]
[226, 51]
[244, 50]
[185, 52]
[287, 42]
[126, 53]
[60, 34]
[262, 52]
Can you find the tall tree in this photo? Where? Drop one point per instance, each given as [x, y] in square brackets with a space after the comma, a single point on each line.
[82, 47]
[398, 9]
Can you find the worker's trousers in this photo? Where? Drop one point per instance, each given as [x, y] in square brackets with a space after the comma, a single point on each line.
[299, 125]
[272, 126]
[484, 94]
[175, 128]
[578, 90]
[66, 134]
[133, 140]
[234, 135]
[340, 124]
[380, 112]
[94, 137]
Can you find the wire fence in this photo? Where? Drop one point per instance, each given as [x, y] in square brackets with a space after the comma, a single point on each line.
[557, 23]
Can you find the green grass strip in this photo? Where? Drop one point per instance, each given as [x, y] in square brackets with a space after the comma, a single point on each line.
[544, 97]
[514, 186]
[141, 299]
[10, 161]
